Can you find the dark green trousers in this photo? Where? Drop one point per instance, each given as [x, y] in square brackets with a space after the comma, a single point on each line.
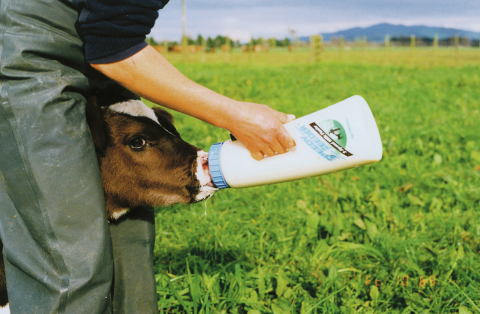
[57, 241]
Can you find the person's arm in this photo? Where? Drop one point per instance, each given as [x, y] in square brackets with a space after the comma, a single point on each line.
[148, 74]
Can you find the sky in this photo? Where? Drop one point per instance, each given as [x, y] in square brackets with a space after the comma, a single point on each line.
[242, 19]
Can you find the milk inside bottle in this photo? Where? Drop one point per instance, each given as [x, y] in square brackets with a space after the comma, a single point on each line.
[336, 138]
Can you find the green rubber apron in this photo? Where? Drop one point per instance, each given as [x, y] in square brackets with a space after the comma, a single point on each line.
[57, 241]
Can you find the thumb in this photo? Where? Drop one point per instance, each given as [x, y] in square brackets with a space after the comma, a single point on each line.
[285, 118]
[257, 155]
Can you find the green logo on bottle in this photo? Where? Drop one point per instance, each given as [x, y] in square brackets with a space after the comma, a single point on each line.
[334, 134]
[336, 131]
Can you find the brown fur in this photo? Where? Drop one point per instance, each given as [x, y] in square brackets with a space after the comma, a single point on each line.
[159, 174]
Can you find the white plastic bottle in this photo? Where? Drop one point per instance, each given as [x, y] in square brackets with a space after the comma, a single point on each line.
[336, 138]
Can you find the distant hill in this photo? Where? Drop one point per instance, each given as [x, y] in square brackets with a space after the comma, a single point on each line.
[378, 32]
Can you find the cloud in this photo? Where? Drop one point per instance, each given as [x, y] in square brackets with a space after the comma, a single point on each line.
[268, 18]
[238, 34]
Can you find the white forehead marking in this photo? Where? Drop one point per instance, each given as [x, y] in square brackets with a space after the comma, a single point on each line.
[134, 108]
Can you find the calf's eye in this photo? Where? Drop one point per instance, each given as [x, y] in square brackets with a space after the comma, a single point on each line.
[137, 143]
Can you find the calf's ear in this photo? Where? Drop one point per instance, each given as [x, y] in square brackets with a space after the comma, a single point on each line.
[162, 114]
[166, 120]
[96, 124]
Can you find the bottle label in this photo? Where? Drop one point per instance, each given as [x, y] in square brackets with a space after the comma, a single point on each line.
[336, 136]
[328, 139]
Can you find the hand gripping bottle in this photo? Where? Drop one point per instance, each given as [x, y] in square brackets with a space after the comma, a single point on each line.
[336, 138]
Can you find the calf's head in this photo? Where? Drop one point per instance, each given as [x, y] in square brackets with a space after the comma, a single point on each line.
[143, 160]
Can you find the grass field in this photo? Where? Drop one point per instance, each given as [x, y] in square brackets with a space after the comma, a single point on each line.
[398, 236]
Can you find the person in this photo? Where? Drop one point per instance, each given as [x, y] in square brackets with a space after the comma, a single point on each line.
[61, 255]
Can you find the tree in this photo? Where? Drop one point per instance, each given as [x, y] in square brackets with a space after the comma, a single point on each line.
[151, 41]
[219, 41]
[210, 43]
[284, 43]
[199, 40]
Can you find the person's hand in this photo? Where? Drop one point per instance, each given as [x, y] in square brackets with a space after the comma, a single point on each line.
[260, 129]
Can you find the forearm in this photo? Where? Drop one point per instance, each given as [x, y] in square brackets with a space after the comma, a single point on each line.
[152, 77]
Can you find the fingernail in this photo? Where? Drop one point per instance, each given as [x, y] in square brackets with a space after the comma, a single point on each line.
[257, 156]
[290, 117]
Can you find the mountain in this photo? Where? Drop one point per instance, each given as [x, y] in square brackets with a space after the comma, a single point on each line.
[377, 32]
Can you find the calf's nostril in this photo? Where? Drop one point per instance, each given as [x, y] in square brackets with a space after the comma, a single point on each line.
[203, 171]
[206, 170]
[205, 167]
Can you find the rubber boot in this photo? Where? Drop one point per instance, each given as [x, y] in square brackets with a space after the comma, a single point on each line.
[133, 239]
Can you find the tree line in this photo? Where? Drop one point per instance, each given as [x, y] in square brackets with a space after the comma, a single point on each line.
[220, 40]
[428, 41]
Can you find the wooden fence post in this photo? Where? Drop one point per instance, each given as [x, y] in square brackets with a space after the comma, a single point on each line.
[364, 43]
[316, 47]
[387, 41]
[457, 42]
[342, 43]
[227, 49]
[412, 42]
[227, 43]
[435, 41]
[184, 47]
[260, 42]
[165, 46]
[250, 50]
[204, 50]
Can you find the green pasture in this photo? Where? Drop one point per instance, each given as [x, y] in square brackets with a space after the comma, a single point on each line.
[398, 236]
[421, 57]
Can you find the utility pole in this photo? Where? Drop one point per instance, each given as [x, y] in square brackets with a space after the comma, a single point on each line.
[183, 19]
[184, 35]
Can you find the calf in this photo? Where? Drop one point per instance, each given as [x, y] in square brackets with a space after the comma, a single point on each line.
[143, 162]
